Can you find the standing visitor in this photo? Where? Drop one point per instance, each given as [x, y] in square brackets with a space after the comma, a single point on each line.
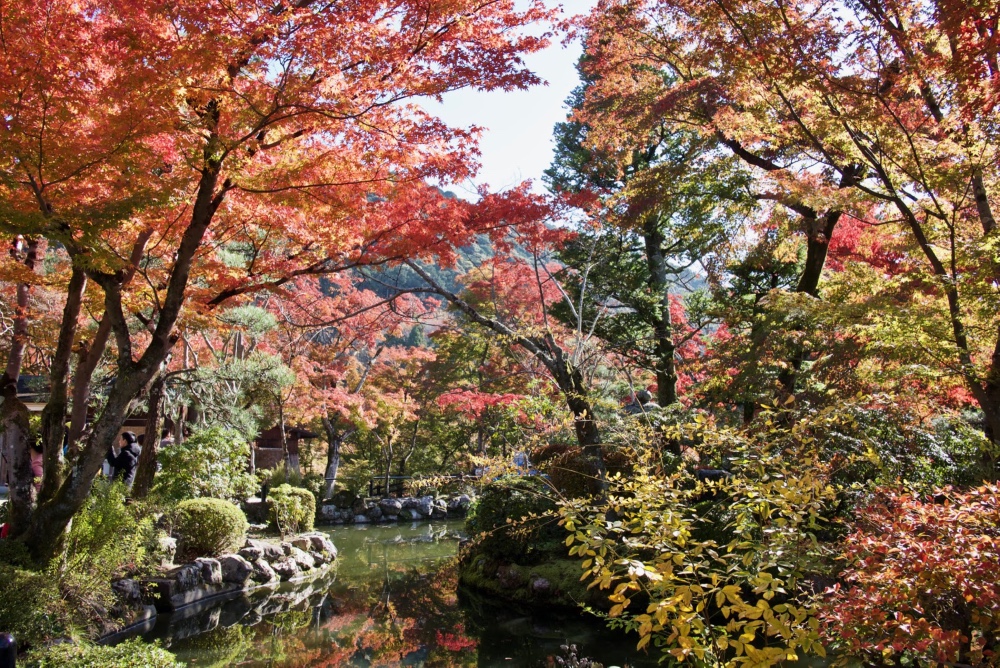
[124, 463]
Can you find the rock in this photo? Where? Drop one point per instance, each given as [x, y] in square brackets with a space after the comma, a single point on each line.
[286, 568]
[286, 548]
[361, 519]
[269, 550]
[439, 510]
[128, 590]
[411, 514]
[303, 559]
[540, 585]
[425, 505]
[320, 543]
[263, 573]
[188, 577]
[390, 507]
[344, 498]
[235, 569]
[167, 547]
[211, 571]
[409, 502]
[359, 507]
[459, 504]
[373, 513]
[301, 542]
[509, 577]
[329, 512]
[251, 553]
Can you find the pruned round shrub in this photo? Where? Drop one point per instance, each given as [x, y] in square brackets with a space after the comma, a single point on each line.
[292, 509]
[129, 654]
[526, 501]
[575, 474]
[209, 527]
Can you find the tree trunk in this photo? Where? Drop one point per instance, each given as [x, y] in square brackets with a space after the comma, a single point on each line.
[283, 435]
[663, 330]
[54, 414]
[334, 439]
[51, 517]
[146, 468]
[387, 451]
[13, 412]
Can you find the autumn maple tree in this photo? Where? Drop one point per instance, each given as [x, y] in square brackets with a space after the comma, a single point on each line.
[885, 111]
[184, 154]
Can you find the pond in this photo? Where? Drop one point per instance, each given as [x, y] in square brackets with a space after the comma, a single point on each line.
[392, 601]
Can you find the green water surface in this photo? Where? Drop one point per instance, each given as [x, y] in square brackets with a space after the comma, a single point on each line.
[392, 601]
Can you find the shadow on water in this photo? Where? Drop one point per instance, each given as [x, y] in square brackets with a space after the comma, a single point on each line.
[392, 601]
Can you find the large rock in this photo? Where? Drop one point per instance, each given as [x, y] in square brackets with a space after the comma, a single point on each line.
[252, 553]
[303, 559]
[286, 568]
[301, 542]
[211, 571]
[439, 510]
[411, 514]
[458, 505]
[321, 543]
[425, 505]
[374, 512]
[361, 519]
[128, 590]
[235, 569]
[188, 577]
[263, 573]
[390, 507]
[269, 550]
[329, 512]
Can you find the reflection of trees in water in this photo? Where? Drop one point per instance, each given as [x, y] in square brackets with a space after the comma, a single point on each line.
[390, 603]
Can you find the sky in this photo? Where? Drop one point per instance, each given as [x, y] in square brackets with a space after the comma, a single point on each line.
[517, 139]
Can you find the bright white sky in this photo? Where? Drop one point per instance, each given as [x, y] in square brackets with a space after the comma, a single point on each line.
[517, 139]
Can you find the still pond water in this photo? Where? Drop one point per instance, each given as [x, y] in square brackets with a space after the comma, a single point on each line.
[392, 601]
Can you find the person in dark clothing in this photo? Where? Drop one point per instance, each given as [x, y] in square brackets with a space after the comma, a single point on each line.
[123, 464]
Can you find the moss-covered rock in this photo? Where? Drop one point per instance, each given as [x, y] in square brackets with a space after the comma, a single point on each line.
[555, 582]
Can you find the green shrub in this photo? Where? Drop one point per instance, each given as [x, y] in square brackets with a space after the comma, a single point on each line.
[532, 531]
[210, 463]
[209, 527]
[292, 509]
[32, 608]
[72, 595]
[133, 653]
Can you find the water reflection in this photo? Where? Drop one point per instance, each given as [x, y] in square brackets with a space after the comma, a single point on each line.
[393, 601]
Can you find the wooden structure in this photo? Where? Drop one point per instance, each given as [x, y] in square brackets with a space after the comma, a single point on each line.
[267, 452]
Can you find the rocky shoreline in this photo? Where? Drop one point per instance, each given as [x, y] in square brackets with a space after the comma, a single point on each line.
[192, 587]
[405, 509]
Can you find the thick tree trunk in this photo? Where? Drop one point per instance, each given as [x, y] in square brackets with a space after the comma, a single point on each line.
[663, 330]
[51, 517]
[14, 422]
[54, 414]
[146, 468]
